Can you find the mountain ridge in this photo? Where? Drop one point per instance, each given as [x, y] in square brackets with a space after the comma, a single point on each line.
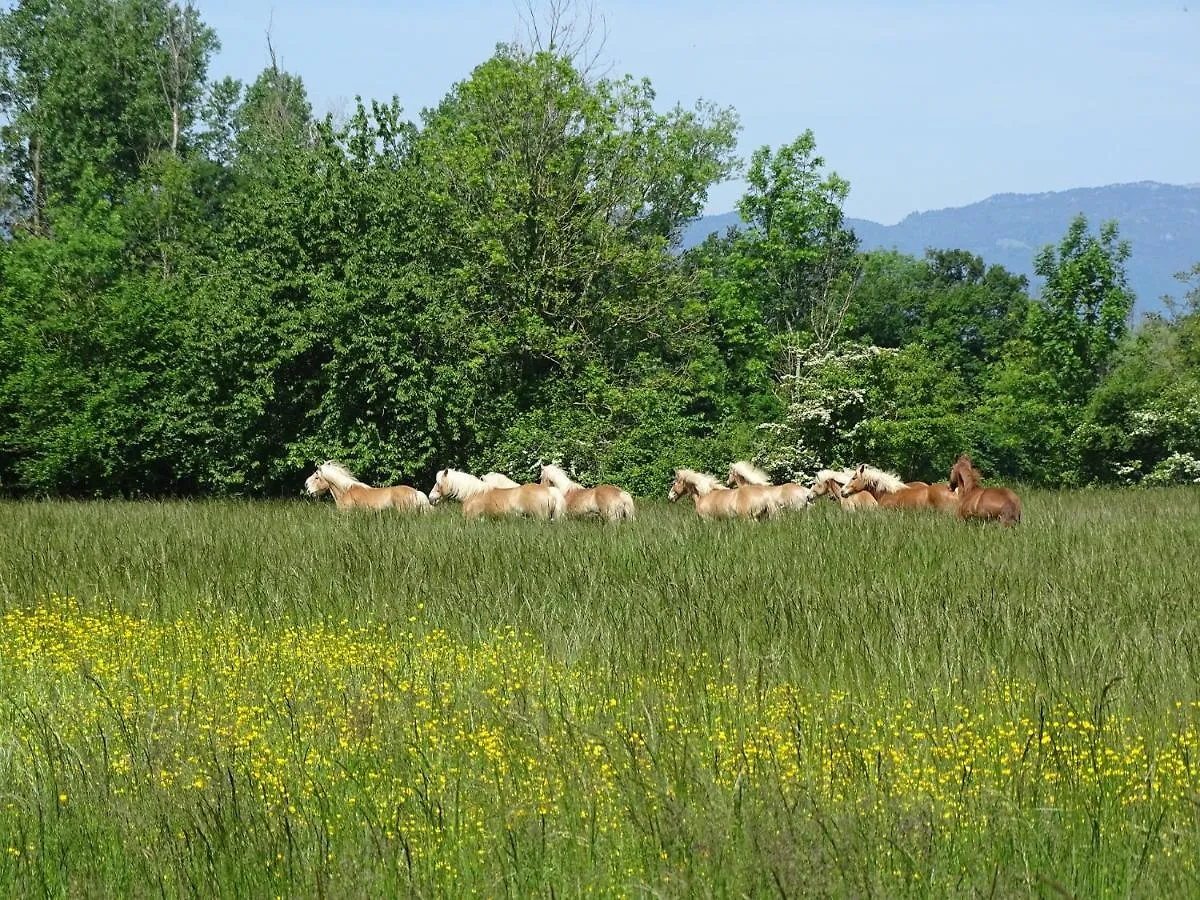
[1161, 222]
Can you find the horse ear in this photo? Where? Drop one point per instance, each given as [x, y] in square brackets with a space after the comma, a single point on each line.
[862, 467]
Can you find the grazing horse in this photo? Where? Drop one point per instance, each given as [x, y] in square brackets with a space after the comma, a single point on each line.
[892, 493]
[607, 501]
[350, 493]
[481, 499]
[789, 495]
[977, 502]
[715, 501]
[829, 482]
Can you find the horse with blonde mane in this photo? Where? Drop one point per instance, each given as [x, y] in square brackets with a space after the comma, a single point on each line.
[977, 502]
[892, 493]
[498, 480]
[609, 502]
[829, 483]
[350, 493]
[481, 499]
[790, 494]
[715, 501]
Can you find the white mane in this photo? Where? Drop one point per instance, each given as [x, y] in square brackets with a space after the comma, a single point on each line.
[560, 479]
[704, 484]
[460, 485]
[887, 482]
[338, 475]
[837, 476]
[498, 480]
[748, 473]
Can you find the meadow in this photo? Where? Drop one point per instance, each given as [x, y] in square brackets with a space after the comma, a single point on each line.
[276, 699]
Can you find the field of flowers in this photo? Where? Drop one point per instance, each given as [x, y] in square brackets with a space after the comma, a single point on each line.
[275, 699]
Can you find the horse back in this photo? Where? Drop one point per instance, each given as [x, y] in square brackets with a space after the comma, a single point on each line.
[942, 498]
[911, 496]
[612, 502]
[991, 503]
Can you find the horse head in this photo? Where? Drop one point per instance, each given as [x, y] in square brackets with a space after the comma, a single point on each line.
[438, 489]
[315, 484]
[963, 475]
[681, 487]
[857, 482]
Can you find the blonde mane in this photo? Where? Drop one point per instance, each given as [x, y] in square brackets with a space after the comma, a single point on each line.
[880, 480]
[837, 476]
[560, 479]
[704, 484]
[748, 473]
[338, 475]
[498, 480]
[461, 485]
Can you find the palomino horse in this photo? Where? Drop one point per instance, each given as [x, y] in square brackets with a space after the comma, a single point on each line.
[498, 480]
[480, 499]
[350, 493]
[829, 482]
[892, 493]
[715, 501]
[607, 501]
[789, 495]
[977, 502]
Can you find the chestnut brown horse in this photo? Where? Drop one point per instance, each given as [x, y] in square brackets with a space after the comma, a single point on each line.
[975, 502]
[829, 483]
[481, 499]
[892, 493]
[715, 501]
[607, 501]
[888, 489]
[350, 493]
[790, 495]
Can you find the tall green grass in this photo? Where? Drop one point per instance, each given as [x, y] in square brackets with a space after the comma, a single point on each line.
[1089, 605]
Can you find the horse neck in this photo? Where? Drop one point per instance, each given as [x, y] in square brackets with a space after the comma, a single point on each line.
[870, 487]
[968, 481]
[338, 491]
[340, 483]
[563, 482]
[704, 488]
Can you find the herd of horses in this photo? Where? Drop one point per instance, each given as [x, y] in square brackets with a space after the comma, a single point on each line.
[747, 493]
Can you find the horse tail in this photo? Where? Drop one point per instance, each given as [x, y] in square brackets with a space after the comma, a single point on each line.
[558, 504]
[625, 509]
[423, 505]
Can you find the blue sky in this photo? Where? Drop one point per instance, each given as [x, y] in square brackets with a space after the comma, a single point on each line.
[921, 105]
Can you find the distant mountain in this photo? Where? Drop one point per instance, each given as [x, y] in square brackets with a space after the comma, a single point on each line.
[1161, 222]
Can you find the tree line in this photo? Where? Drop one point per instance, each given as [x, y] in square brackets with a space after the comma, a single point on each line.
[205, 288]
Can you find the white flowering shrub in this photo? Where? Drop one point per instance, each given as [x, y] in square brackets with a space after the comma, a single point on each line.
[1178, 468]
[1170, 430]
[826, 392]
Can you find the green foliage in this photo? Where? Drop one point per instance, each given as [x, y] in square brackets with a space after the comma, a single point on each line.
[795, 252]
[1085, 306]
[1143, 421]
[93, 88]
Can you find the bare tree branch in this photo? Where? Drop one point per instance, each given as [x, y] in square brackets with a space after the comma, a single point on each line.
[572, 29]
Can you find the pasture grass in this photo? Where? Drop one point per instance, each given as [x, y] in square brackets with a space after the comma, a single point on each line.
[274, 698]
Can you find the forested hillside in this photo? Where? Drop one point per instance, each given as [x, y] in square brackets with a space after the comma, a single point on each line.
[1161, 222]
[204, 288]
